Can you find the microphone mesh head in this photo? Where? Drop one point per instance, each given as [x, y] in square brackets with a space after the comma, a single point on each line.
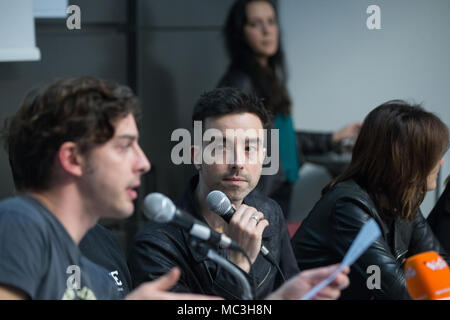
[159, 208]
[218, 202]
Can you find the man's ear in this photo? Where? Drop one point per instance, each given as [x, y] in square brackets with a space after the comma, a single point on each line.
[70, 159]
[196, 157]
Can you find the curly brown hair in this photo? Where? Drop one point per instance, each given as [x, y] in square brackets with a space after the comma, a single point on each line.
[82, 110]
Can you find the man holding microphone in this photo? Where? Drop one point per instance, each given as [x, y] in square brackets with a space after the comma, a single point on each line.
[258, 221]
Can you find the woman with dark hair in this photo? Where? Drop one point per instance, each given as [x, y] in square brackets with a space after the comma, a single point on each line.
[439, 218]
[257, 66]
[395, 161]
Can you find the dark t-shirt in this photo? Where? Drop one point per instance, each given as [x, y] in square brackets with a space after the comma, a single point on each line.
[38, 256]
[101, 247]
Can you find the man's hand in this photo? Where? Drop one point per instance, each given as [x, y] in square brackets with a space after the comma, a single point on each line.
[158, 290]
[246, 228]
[298, 286]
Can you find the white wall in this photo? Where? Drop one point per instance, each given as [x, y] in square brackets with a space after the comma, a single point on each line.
[339, 70]
[17, 38]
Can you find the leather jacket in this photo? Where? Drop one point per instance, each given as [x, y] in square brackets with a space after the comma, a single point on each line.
[326, 234]
[160, 247]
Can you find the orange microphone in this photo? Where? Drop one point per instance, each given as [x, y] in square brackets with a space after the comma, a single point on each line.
[427, 277]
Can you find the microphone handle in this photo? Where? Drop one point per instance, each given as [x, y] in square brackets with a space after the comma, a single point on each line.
[264, 251]
[203, 232]
[227, 217]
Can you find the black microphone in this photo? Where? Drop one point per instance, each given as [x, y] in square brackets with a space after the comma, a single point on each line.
[219, 203]
[161, 209]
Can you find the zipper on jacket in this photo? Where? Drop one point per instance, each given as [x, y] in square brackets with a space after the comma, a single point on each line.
[265, 277]
[401, 255]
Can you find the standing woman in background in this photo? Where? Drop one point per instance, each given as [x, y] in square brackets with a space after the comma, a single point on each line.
[257, 66]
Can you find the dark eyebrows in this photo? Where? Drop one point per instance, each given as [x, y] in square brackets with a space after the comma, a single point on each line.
[130, 137]
[225, 140]
[248, 140]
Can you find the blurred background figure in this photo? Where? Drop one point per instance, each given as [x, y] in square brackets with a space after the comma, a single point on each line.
[257, 66]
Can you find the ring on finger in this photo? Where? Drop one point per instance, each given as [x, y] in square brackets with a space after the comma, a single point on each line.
[255, 218]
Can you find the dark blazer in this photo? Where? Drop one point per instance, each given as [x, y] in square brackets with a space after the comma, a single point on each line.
[159, 247]
[326, 234]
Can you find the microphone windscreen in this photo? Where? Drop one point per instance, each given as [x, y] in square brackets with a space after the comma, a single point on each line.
[427, 277]
[218, 202]
[159, 208]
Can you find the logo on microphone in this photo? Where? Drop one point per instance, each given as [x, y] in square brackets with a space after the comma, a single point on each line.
[439, 264]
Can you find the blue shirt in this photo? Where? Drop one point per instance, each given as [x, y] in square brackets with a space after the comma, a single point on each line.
[288, 146]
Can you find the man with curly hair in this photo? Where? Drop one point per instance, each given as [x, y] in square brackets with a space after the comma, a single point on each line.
[74, 153]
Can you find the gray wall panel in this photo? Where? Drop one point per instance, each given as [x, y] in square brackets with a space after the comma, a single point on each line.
[182, 13]
[102, 11]
[176, 67]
